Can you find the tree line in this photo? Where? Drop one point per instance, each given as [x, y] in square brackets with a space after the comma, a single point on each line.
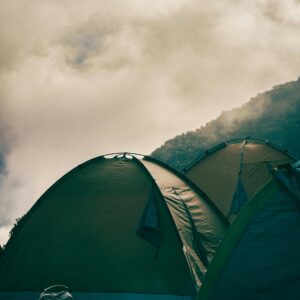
[273, 115]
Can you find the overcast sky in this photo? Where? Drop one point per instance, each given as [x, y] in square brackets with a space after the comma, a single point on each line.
[83, 78]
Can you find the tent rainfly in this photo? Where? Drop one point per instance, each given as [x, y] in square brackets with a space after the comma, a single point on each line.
[234, 171]
[117, 226]
[258, 258]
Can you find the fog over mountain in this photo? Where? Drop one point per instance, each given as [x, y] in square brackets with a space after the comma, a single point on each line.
[273, 115]
[82, 79]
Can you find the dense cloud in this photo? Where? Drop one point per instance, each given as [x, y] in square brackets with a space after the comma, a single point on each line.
[79, 80]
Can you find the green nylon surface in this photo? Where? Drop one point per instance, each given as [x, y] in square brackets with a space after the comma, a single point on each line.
[232, 236]
[217, 172]
[82, 233]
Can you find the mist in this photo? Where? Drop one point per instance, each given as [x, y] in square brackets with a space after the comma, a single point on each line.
[78, 81]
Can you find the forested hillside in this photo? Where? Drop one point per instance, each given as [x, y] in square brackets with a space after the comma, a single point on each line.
[273, 115]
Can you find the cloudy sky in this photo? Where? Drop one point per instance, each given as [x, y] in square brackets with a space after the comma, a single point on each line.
[83, 78]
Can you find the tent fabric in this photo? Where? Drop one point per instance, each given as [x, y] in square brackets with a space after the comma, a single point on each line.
[82, 233]
[148, 228]
[265, 263]
[290, 178]
[85, 232]
[217, 171]
[200, 229]
[259, 256]
[240, 198]
[94, 296]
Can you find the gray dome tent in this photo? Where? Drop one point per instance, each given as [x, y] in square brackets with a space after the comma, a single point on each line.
[117, 226]
[258, 258]
[234, 171]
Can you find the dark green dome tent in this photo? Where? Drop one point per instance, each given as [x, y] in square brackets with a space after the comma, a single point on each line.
[258, 258]
[234, 171]
[118, 226]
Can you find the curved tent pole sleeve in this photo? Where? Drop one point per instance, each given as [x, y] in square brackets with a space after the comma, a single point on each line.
[204, 154]
[35, 206]
[228, 142]
[155, 185]
[190, 183]
[199, 250]
[232, 237]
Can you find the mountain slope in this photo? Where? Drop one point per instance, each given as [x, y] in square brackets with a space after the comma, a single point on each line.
[273, 115]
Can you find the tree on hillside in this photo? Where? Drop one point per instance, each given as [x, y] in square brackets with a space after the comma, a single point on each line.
[16, 226]
[273, 115]
[13, 231]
